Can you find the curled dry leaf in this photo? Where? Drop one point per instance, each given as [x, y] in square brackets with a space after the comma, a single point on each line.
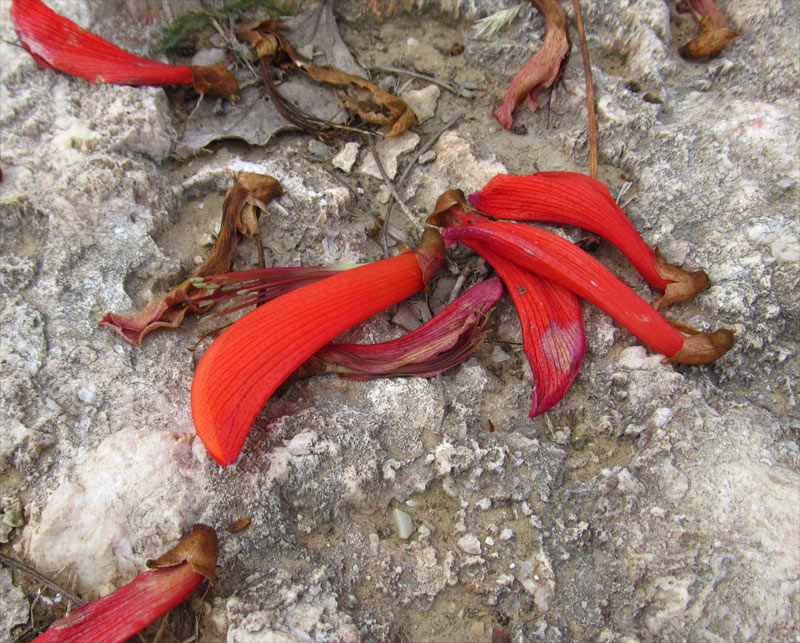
[714, 32]
[357, 95]
[199, 549]
[546, 67]
[249, 195]
[238, 525]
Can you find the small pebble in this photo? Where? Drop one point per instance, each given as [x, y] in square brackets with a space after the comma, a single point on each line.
[469, 544]
[403, 523]
[506, 534]
[427, 157]
[346, 158]
[483, 504]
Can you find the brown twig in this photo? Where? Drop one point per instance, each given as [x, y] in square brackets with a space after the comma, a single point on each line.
[587, 72]
[428, 145]
[430, 79]
[40, 578]
[364, 208]
[391, 187]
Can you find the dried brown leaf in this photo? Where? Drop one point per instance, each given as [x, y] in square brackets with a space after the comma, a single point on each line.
[714, 30]
[199, 549]
[356, 94]
[238, 525]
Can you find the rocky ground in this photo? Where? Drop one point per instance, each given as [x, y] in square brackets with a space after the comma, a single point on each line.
[654, 503]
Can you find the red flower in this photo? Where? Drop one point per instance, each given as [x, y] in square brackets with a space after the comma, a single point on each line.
[56, 42]
[243, 366]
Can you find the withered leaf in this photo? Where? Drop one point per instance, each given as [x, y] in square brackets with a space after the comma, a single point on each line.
[356, 94]
[714, 30]
[200, 549]
[238, 525]
[249, 194]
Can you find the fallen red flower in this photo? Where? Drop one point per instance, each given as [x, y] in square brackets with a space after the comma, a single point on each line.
[246, 363]
[550, 315]
[56, 42]
[563, 262]
[123, 613]
[579, 200]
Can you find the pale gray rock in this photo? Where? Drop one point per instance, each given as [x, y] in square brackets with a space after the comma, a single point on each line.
[656, 502]
[15, 605]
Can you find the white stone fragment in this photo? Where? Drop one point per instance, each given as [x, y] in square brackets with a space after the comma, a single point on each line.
[389, 149]
[422, 101]
[347, 157]
[427, 157]
[483, 504]
[403, 523]
[506, 534]
[469, 544]
[636, 358]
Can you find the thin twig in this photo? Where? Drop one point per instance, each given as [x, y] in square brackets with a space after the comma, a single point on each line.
[161, 628]
[368, 212]
[428, 145]
[389, 185]
[587, 72]
[443, 85]
[41, 578]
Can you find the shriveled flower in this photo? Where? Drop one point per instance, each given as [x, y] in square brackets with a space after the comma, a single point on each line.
[250, 193]
[546, 67]
[445, 341]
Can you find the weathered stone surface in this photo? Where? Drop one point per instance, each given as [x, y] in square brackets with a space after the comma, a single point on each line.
[656, 502]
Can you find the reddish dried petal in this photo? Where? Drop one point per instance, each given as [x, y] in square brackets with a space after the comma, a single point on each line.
[445, 341]
[544, 69]
[170, 309]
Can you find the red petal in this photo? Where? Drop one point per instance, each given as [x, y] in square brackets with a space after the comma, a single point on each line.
[552, 328]
[557, 259]
[57, 42]
[571, 198]
[243, 366]
[131, 608]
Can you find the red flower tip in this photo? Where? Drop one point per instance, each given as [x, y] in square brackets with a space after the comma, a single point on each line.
[550, 315]
[118, 616]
